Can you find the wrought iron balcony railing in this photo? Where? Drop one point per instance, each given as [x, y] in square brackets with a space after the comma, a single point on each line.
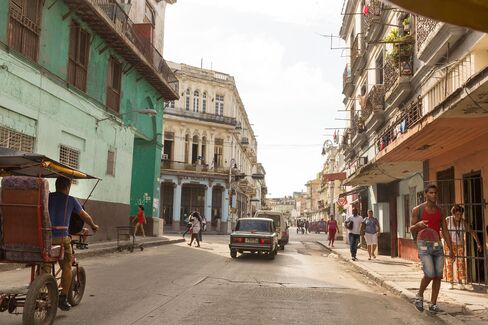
[424, 27]
[124, 25]
[346, 77]
[401, 125]
[201, 116]
[375, 101]
[180, 166]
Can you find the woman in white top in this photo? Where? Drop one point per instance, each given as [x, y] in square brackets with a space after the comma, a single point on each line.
[195, 229]
[457, 227]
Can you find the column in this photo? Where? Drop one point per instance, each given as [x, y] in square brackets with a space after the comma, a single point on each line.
[177, 207]
[225, 224]
[208, 205]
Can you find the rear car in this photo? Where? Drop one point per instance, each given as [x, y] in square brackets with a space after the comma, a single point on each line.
[280, 224]
[254, 235]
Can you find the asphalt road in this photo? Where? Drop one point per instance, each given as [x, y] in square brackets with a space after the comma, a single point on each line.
[178, 284]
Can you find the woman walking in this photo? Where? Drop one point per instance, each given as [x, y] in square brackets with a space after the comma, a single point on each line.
[140, 221]
[331, 229]
[370, 227]
[195, 228]
[457, 227]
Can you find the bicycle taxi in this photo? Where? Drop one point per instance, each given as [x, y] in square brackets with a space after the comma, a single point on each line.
[25, 235]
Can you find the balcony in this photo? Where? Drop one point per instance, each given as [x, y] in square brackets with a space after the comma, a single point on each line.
[201, 116]
[397, 73]
[374, 19]
[245, 141]
[170, 166]
[347, 86]
[109, 20]
[434, 39]
[374, 114]
[404, 122]
[358, 59]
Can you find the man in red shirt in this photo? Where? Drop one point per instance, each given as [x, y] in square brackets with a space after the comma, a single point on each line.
[426, 224]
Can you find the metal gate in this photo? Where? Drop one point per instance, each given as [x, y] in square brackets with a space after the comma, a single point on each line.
[469, 193]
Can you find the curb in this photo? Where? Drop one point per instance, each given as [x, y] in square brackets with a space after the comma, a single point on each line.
[95, 252]
[393, 287]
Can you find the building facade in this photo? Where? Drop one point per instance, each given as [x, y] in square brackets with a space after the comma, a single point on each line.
[416, 93]
[210, 152]
[73, 86]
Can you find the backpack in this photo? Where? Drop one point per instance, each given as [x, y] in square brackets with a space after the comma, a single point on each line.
[75, 224]
[349, 224]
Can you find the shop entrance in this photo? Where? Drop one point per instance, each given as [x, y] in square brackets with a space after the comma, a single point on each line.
[192, 199]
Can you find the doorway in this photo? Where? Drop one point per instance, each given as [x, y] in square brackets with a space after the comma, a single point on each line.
[192, 199]
[474, 206]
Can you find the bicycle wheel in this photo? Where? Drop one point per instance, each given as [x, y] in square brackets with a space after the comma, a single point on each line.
[77, 288]
[41, 302]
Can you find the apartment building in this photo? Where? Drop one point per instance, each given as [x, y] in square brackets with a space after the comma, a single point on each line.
[79, 83]
[209, 163]
[416, 93]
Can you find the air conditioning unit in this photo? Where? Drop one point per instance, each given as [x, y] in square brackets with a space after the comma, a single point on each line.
[165, 156]
[362, 161]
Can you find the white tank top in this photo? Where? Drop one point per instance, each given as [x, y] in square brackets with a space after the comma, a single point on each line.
[456, 230]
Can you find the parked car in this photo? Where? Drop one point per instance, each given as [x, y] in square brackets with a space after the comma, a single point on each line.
[321, 226]
[280, 224]
[254, 235]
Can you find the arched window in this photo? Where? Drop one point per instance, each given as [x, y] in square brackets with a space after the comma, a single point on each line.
[196, 100]
[204, 102]
[194, 150]
[187, 99]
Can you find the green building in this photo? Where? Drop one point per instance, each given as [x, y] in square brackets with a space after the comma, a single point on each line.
[82, 83]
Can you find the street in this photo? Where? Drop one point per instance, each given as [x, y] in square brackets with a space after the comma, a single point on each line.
[176, 284]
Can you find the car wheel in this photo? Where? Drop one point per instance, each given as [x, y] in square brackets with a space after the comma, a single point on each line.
[282, 247]
[272, 254]
[233, 253]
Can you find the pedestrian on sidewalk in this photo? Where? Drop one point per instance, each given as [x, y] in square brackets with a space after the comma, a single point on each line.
[307, 224]
[188, 225]
[140, 220]
[370, 228]
[354, 232]
[426, 225]
[457, 227]
[331, 229]
[195, 227]
[202, 228]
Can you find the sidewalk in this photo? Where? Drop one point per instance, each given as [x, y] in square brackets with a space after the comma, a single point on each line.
[106, 247]
[402, 277]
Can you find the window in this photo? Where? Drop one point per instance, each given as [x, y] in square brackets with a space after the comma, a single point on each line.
[114, 84]
[24, 27]
[219, 105]
[379, 69]
[15, 140]
[187, 99]
[204, 102]
[196, 100]
[187, 149]
[78, 56]
[218, 153]
[111, 163]
[69, 156]
[172, 104]
[168, 145]
[204, 150]
[194, 150]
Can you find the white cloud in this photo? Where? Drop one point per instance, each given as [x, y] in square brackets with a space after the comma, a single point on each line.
[289, 97]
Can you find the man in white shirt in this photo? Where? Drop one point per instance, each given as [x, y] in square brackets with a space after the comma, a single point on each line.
[354, 233]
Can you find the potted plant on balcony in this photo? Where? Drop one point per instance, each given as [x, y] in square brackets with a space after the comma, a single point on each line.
[406, 24]
[400, 46]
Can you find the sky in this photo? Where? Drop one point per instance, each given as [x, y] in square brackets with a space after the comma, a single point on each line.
[289, 77]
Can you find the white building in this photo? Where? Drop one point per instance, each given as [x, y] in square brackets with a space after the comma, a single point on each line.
[209, 148]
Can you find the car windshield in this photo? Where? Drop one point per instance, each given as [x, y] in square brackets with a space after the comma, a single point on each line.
[253, 226]
[275, 218]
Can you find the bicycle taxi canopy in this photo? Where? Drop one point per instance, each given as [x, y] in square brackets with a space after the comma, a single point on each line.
[25, 225]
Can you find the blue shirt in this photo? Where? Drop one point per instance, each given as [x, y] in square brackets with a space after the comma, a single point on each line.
[60, 208]
[370, 225]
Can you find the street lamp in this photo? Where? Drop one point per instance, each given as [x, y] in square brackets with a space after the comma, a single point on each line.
[326, 146]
